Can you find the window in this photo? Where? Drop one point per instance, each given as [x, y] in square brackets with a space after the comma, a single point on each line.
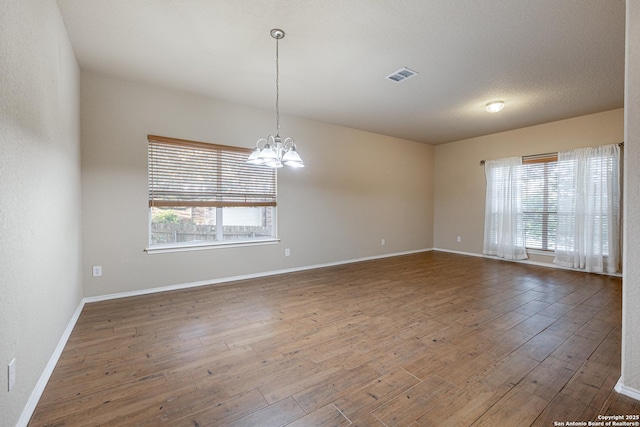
[540, 201]
[567, 203]
[540, 197]
[206, 194]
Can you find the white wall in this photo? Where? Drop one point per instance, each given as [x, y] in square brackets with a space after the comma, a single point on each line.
[356, 188]
[631, 280]
[40, 285]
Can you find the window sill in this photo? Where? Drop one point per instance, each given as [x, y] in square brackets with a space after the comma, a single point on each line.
[541, 252]
[204, 246]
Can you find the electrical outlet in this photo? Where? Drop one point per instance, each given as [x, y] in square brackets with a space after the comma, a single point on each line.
[459, 239]
[12, 373]
[383, 242]
[287, 252]
[97, 271]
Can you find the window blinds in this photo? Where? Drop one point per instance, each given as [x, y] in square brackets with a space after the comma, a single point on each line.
[540, 201]
[188, 173]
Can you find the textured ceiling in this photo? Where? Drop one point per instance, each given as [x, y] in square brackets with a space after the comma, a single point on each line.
[547, 59]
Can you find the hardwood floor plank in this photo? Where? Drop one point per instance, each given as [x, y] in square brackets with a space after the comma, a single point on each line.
[505, 374]
[534, 324]
[533, 307]
[415, 402]
[268, 373]
[504, 322]
[541, 346]
[395, 353]
[516, 408]
[327, 416]
[465, 366]
[556, 310]
[565, 327]
[334, 387]
[368, 420]
[548, 378]
[469, 404]
[576, 349]
[585, 385]
[225, 411]
[285, 387]
[505, 343]
[565, 408]
[279, 414]
[356, 405]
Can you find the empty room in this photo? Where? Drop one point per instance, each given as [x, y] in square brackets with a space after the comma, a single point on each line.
[319, 213]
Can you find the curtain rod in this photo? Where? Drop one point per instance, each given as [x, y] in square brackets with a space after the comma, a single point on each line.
[482, 162]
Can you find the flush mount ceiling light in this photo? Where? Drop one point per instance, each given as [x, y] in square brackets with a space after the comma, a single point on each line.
[494, 106]
[273, 151]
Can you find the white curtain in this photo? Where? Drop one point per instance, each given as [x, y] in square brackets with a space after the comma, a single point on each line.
[589, 209]
[503, 221]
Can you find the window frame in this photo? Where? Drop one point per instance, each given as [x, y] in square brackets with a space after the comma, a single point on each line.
[248, 188]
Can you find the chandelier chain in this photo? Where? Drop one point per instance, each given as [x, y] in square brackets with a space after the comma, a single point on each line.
[277, 90]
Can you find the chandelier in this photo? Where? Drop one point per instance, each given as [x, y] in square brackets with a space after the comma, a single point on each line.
[273, 151]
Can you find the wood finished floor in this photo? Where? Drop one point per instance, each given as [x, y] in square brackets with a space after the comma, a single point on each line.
[431, 339]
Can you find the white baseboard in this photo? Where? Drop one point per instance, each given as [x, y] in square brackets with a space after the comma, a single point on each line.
[242, 277]
[522, 261]
[519, 261]
[463, 253]
[27, 412]
[627, 391]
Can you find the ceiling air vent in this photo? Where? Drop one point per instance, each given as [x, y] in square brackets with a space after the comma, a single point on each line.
[401, 74]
